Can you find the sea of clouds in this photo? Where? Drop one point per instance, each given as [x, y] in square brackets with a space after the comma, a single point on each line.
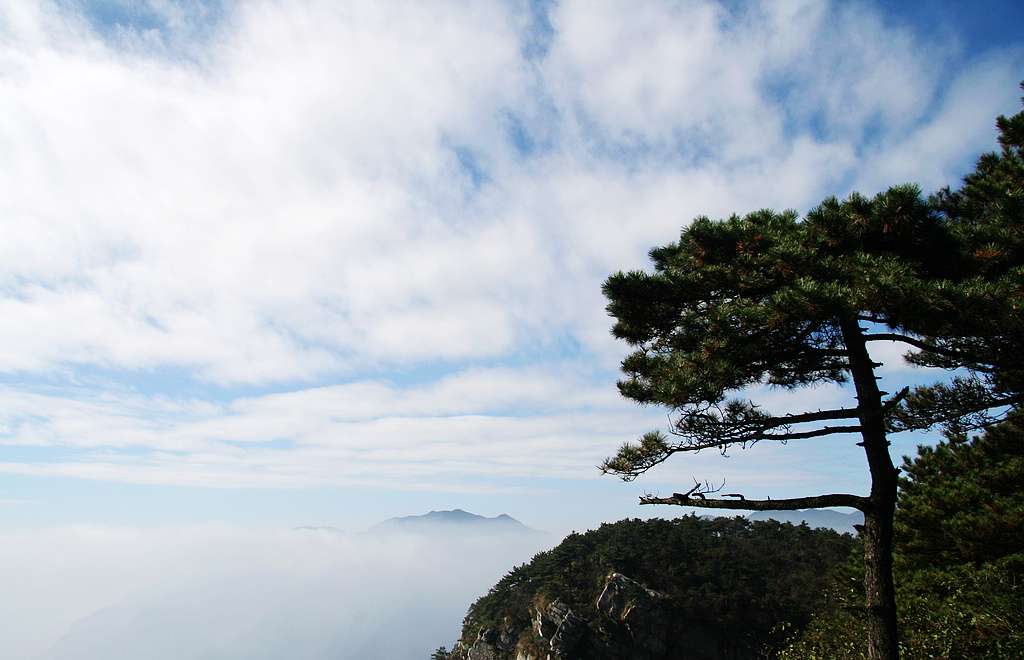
[221, 592]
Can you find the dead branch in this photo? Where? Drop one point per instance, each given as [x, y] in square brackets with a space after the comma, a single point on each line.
[696, 498]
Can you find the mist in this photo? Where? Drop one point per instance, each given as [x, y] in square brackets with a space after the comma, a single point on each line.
[218, 591]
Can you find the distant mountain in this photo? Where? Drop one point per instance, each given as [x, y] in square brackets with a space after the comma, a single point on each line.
[815, 518]
[454, 522]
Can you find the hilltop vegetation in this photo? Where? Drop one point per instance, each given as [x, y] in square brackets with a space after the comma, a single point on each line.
[751, 581]
[768, 298]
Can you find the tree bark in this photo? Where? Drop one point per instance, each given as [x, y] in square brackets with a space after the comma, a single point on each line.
[878, 514]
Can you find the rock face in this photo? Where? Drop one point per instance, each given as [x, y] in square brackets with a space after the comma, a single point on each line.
[561, 628]
[492, 645]
[632, 623]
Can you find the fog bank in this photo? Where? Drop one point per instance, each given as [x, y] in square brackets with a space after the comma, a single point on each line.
[215, 591]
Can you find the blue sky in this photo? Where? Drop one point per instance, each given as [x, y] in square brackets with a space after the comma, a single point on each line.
[279, 263]
[325, 263]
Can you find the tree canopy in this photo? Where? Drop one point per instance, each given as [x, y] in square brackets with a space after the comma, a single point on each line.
[768, 298]
[961, 502]
[772, 299]
[982, 329]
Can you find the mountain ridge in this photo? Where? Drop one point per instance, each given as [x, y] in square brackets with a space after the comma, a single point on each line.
[815, 518]
[454, 521]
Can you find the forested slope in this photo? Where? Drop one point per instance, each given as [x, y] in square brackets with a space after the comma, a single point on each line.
[684, 588]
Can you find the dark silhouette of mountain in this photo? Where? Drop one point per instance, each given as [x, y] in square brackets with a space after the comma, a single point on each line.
[454, 522]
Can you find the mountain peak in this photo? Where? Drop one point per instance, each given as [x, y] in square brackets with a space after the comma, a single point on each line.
[456, 521]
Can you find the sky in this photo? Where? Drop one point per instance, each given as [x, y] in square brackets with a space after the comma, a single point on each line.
[273, 263]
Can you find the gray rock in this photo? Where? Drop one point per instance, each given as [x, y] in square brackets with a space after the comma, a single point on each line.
[621, 594]
[637, 623]
[561, 627]
[568, 635]
[482, 651]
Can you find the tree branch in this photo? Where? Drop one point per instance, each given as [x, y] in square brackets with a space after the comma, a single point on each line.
[817, 433]
[818, 416]
[753, 438]
[916, 343]
[958, 409]
[742, 504]
[705, 431]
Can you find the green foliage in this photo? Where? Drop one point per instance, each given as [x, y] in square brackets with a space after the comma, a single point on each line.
[962, 502]
[984, 328]
[968, 613]
[751, 578]
[960, 546]
[730, 304]
[837, 635]
[959, 557]
[762, 299]
[633, 459]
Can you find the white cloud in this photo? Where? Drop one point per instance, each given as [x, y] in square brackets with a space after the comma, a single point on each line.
[205, 214]
[490, 426]
[941, 151]
[330, 200]
[294, 206]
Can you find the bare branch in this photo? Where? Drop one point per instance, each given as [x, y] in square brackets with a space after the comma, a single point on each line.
[827, 430]
[818, 416]
[700, 489]
[743, 504]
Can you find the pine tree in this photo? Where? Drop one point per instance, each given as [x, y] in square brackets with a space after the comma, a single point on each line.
[982, 330]
[960, 546]
[769, 298]
[961, 501]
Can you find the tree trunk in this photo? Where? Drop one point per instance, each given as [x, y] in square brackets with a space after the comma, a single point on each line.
[878, 515]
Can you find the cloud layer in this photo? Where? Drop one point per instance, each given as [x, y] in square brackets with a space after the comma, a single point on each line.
[315, 243]
[222, 592]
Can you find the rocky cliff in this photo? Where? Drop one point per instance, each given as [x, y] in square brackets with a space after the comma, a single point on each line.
[635, 623]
